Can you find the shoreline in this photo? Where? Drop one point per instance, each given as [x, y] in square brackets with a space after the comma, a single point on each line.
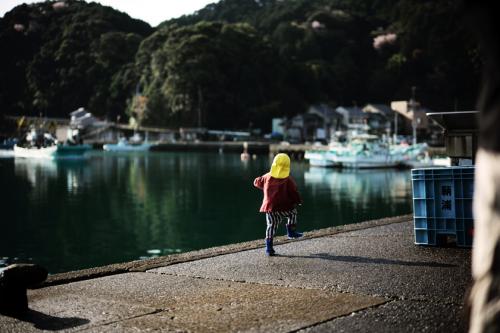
[172, 259]
[365, 277]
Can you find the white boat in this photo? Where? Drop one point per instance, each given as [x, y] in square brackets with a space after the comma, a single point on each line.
[363, 151]
[41, 144]
[55, 151]
[367, 151]
[368, 157]
[319, 158]
[417, 156]
[125, 146]
[428, 162]
[35, 152]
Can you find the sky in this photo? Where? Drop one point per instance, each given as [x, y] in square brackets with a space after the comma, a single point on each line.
[150, 11]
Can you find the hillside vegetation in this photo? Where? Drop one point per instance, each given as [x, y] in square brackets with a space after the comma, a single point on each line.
[237, 63]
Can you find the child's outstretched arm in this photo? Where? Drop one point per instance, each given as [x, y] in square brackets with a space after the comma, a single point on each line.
[259, 182]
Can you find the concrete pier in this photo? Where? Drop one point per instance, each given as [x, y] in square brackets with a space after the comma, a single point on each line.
[259, 148]
[366, 277]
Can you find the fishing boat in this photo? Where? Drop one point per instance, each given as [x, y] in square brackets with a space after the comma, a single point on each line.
[72, 151]
[8, 144]
[417, 156]
[320, 158]
[44, 145]
[7, 147]
[363, 151]
[35, 152]
[369, 151]
[366, 153]
[124, 145]
[57, 151]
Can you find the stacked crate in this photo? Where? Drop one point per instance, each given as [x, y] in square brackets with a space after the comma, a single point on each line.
[442, 204]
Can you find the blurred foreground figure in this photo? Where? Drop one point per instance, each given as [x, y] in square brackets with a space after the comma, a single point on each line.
[485, 293]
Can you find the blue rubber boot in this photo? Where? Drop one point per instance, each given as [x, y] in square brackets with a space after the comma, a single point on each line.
[269, 247]
[291, 232]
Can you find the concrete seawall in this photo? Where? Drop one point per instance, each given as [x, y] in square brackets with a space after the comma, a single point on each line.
[146, 264]
[365, 277]
[214, 146]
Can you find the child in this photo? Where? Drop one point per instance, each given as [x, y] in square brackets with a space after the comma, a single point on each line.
[280, 199]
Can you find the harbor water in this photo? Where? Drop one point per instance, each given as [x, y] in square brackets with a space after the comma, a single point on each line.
[112, 208]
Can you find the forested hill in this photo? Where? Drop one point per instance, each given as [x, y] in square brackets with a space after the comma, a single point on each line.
[57, 56]
[236, 63]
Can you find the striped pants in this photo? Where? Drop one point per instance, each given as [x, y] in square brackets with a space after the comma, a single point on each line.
[273, 219]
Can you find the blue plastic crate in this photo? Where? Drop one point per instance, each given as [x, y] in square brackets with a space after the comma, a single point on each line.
[442, 204]
[465, 232]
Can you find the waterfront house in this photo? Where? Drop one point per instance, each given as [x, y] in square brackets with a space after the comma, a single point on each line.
[318, 124]
[381, 109]
[192, 134]
[381, 119]
[278, 128]
[92, 130]
[331, 121]
[83, 125]
[354, 121]
[412, 115]
[302, 127]
[352, 116]
[323, 123]
[81, 119]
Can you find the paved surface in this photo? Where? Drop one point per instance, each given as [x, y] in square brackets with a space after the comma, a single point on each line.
[364, 278]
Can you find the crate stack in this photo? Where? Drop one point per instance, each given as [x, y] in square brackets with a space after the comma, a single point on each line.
[442, 205]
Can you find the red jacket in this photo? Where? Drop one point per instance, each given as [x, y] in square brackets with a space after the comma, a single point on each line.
[279, 194]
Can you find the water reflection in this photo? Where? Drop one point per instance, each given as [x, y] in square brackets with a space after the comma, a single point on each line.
[154, 253]
[334, 197]
[359, 186]
[40, 173]
[36, 171]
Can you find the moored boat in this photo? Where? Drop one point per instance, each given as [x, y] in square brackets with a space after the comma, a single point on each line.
[8, 144]
[319, 158]
[35, 152]
[368, 151]
[7, 147]
[72, 151]
[38, 144]
[57, 151]
[363, 151]
[124, 145]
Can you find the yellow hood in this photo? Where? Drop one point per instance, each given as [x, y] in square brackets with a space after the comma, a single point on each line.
[281, 166]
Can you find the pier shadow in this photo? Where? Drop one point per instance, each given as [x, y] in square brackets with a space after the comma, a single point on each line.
[365, 260]
[46, 322]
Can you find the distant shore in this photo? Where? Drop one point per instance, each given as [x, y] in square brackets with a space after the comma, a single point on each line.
[296, 151]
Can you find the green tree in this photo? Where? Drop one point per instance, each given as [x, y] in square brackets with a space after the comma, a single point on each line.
[209, 74]
[65, 55]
